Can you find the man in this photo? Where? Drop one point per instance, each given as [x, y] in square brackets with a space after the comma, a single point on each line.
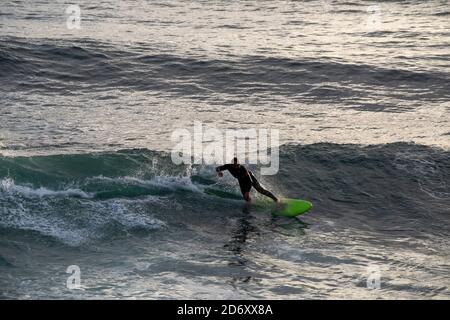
[246, 179]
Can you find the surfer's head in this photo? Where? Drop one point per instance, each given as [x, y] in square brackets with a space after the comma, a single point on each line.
[235, 162]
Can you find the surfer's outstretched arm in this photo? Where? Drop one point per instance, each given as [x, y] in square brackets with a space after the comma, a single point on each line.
[219, 169]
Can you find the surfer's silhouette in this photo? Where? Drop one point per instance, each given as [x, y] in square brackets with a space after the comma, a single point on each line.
[246, 180]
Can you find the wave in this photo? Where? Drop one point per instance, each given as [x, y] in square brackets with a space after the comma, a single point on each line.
[63, 216]
[8, 185]
[64, 68]
[443, 13]
[80, 198]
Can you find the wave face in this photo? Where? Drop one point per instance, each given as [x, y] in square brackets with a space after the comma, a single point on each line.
[78, 198]
[135, 213]
[84, 197]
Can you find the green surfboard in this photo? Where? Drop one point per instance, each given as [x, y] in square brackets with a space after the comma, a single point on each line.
[288, 207]
[292, 208]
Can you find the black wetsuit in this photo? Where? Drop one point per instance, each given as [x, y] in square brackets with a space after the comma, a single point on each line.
[246, 180]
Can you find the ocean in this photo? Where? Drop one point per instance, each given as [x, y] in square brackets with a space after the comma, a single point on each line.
[360, 95]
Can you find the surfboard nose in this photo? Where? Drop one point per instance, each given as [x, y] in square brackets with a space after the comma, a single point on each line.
[293, 208]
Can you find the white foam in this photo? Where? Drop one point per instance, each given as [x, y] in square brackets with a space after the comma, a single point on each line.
[25, 208]
[8, 185]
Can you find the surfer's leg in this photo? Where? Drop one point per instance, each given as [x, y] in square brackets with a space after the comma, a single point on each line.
[262, 190]
[245, 189]
[267, 193]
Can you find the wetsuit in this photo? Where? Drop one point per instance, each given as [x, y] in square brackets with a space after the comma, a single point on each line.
[246, 180]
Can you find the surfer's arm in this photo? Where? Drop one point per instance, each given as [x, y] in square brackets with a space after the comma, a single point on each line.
[221, 168]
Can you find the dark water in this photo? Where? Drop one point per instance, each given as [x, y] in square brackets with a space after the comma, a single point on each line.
[358, 90]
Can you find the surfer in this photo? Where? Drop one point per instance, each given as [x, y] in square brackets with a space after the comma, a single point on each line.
[245, 178]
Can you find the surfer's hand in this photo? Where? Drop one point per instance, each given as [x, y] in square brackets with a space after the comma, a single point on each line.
[220, 174]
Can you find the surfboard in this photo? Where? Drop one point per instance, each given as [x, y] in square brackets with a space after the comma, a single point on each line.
[292, 207]
[288, 207]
